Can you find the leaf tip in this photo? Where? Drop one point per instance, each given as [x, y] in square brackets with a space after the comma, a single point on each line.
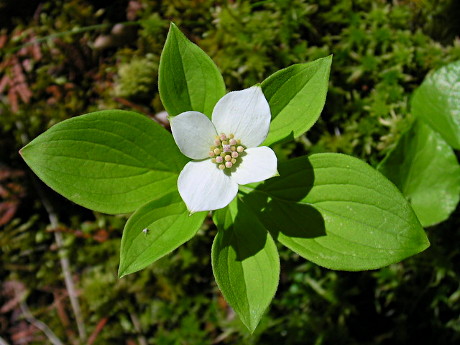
[122, 272]
[328, 60]
[23, 150]
[425, 244]
[422, 241]
[251, 325]
[173, 28]
[24, 153]
[124, 268]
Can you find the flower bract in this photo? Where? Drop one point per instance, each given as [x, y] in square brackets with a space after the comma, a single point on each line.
[225, 150]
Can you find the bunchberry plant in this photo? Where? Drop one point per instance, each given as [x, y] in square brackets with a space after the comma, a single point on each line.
[332, 209]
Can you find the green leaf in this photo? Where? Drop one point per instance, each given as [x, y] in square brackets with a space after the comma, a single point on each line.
[437, 102]
[111, 161]
[155, 230]
[296, 96]
[338, 212]
[245, 262]
[188, 78]
[424, 167]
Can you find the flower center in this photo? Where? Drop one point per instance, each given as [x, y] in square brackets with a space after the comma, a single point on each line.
[226, 151]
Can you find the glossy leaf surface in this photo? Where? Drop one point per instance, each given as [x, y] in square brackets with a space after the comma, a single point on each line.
[296, 96]
[424, 167]
[437, 102]
[245, 262]
[111, 161]
[188, 78]
[155, 230]
[338, 212]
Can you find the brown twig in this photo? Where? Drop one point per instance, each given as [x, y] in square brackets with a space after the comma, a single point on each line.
[100, 325]
[62, 313]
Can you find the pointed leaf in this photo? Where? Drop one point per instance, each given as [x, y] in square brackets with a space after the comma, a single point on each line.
[424, 167]
[111, 161]
[245, 262]
[437, 102]
[188, 78]
[296, 96]
[155, 230]
[338, 212]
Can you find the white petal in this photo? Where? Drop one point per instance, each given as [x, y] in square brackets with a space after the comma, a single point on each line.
[246, 114]
[204, 187]
[258, 164]
[194, 133]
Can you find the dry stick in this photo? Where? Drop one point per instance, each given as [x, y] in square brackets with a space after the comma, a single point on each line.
[138, 328]
[40, 325]
[65, 264]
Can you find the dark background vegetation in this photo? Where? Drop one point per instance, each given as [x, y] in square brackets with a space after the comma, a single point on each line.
[382, 51]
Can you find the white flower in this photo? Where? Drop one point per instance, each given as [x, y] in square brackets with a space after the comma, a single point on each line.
[225, 150]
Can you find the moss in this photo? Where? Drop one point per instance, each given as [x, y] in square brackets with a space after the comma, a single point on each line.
[137, 79]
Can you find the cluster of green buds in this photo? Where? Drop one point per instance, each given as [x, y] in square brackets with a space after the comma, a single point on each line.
[226, 151]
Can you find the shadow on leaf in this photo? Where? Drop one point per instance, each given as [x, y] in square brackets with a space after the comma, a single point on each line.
[277, 202]
[246, 234]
